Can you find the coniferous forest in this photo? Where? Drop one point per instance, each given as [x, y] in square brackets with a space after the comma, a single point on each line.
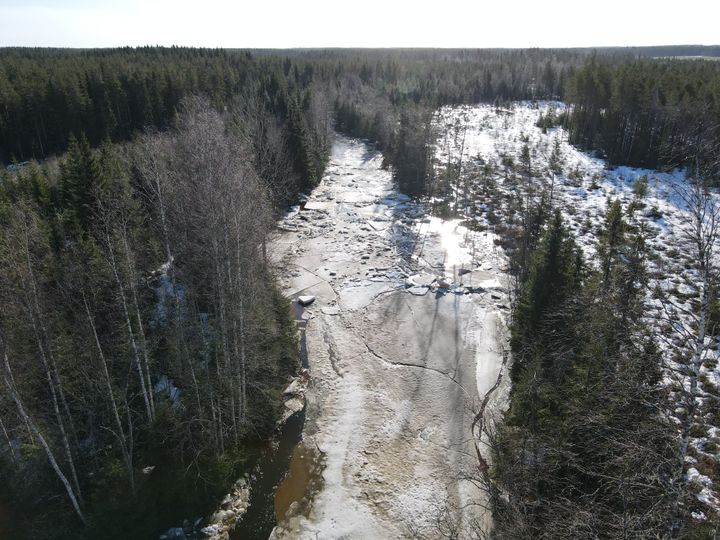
[647, 113]
[143, 339]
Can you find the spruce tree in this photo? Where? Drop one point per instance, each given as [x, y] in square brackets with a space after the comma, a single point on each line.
[81, 179]
[612, 239]
[554, 273]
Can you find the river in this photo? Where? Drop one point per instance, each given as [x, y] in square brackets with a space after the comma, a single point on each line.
[404, 340]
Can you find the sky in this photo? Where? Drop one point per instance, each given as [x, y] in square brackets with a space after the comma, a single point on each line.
[359, 23]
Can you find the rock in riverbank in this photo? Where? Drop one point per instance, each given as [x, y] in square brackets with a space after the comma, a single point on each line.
[294, 396]
[232, 507]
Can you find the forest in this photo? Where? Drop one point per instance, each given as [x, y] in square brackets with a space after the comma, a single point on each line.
[608, 408]
[111, 95]
[648, 113]
[144, 341]
[141, 330]
[585, 450]
[589, 447]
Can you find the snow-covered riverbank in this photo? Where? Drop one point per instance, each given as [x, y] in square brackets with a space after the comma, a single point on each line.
[405, 337]
[487, 140]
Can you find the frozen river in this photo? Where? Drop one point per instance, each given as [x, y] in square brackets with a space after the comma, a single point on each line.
[404, 340]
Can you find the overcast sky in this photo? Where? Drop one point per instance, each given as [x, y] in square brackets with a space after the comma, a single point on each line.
[359, 23]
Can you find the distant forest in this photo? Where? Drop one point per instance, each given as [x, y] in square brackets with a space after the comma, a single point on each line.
[648, 113]
[635, 105]
[48, 94]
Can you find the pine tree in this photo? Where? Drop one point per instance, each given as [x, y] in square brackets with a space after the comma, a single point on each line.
[526, 161]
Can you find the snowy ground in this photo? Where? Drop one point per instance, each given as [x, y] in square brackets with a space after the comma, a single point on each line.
[405, 338]
[484, 135]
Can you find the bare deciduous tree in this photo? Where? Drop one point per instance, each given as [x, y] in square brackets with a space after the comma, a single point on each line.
[701, 232]
[32, 425]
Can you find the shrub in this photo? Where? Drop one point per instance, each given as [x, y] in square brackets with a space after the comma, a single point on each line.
[640, 188]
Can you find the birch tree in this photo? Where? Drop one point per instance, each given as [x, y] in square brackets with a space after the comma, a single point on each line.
[701, 233]
[11, 387]
[113, 231]
[222, 209]
[22, 239]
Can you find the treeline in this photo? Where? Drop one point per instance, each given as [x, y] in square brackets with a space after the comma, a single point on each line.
[47, 96]
[648, 113]
[142, 339]
[389, 96]
[664, 51]
[637, 110]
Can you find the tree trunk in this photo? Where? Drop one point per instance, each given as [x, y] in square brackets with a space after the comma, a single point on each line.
[131, 334]
[127, 455]
[10, 385]
[48, 360]
[8, 441]
[141, 331]
[704, 223]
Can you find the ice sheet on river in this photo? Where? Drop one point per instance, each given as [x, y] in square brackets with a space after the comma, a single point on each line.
[395, 364]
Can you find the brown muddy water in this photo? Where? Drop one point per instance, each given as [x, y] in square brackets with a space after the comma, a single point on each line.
[298, 483]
